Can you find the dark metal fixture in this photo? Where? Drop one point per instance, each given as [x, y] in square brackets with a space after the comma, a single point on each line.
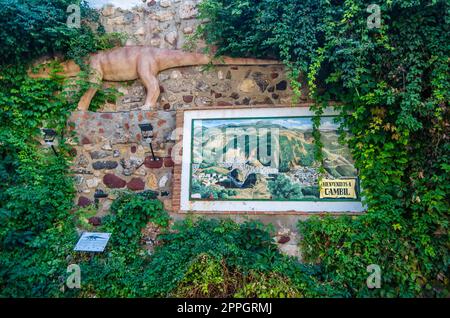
[99, 194]
[147, 135]
[49, 138]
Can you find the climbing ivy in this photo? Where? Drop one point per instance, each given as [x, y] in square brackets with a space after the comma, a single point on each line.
[37, 231]
[392, 87]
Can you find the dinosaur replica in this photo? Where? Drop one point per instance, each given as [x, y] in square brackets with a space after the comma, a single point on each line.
[139, 62]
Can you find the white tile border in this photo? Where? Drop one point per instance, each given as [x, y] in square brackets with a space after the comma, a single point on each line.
[250, 206]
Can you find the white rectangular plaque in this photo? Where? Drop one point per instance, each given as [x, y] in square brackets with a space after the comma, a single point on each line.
[224, 166]
[92, 242]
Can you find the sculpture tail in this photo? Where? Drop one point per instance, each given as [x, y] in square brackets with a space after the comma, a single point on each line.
[180, 58]
[226, 60]
[69, 69]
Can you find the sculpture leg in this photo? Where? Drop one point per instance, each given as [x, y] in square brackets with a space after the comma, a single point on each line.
[86, 99]
[152, 86]
[96, 79]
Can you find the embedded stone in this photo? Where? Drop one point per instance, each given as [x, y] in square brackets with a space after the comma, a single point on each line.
[133, 149]
[131, 165]
[163, 181]
[203, 101]
[246, 101]
[152, 181]
[222, 103]
[82, 161]
[155, 42]
[281, 86]
[188, 98]
[247, 85]
[83, 202]
[78, 180]
[284, 239]
[99, 154]
[165, 193]
[228, 75]
[161, 122]
[165, 3]
[202, 86]
[187, 10]
[106, 116]
[113, 182]
[260, 80]
[267, 100]
[99, 165]
[107, 147]
[140, 31]
[141, 171]
[127, 172]
[163, 16]
[188, 30]
[223, 86]
[131, 99]
[116, 153]
[171, 37]
[168, 162]
[136, 184]
[176, 75]
[120, 136]
[234, 95]
[81, 171]
[85, 140]
[95, 221]
[271, 89]
[275, 96]
[273, 75]
[92, 183]
[153, 164]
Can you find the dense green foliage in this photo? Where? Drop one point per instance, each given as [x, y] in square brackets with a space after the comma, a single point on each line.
[129, 214]
[118, 272]
[211, 258]
[393, 85]
[37, 232]
[35, 28]
[40, 225]
[203, 258]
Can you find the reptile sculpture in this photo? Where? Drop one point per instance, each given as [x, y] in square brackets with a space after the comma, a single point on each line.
[140, 62]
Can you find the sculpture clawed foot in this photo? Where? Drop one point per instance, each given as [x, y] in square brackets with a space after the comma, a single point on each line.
[82, 107]
[148, 107]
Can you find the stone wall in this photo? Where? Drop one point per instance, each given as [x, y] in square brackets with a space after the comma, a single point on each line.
[111, 154]
[163, 23]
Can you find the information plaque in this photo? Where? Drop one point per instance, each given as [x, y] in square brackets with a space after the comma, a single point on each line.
[92, 242]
